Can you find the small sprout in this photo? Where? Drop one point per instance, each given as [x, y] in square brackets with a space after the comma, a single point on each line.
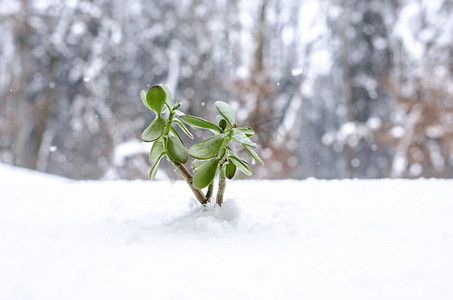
[177, 105]
[211, 156]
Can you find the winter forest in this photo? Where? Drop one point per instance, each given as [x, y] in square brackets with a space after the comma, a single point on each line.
[333, 88]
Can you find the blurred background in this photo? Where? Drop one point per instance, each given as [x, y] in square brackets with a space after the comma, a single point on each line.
[333, 88]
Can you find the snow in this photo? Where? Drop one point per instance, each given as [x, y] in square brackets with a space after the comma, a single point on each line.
[404, 29]
[297, 72]
[397, 132]
[311, 239]
[374, 123]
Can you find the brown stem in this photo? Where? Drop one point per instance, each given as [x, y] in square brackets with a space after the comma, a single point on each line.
[221, 191]
[189, 179]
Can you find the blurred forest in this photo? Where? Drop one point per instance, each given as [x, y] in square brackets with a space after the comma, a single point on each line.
[333, 88]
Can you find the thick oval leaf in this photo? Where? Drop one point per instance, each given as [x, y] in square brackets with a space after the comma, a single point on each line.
[223, 124]
[207, 148]
[254, 154]
[248, 131]
[205, 174]
[176, 149]
[239, 136]
[154, 168]
[198, 163]
[143, 96]
[174, 133]
[184, 128]
[230, 170]
[197, 123]
[241, 164]
[154, 130]
[156, 98]
[178, 113]
[226, 111]
[157, 150]
[168, 93]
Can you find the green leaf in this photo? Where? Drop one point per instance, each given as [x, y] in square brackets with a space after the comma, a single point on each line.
[207, 148]
[241, 164]
[156, 98]
[248, 131]
[177, 104]
[254, 154]
[240, 137]
[176, 149]
[197, 123]
[157, 150]
[174, 133]
[169, 99]
[184, 128]
[179, 113]
[230, 169]
[154, 130]
[196, 163]
[223, 124]
[143, 96]
[205, 174]
[155, 167]
[226, 111]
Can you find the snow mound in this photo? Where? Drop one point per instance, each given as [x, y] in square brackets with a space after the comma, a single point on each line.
[211, 219]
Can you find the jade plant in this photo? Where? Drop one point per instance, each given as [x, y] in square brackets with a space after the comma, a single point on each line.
[211, 156]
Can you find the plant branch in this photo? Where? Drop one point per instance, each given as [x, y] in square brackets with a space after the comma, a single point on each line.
[189, 179]
[222, 185]
[221, 191]
[210, 191]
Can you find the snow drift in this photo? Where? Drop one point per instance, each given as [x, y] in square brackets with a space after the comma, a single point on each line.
[351, 239]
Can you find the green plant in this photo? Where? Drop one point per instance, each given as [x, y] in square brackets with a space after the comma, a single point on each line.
[211, 156]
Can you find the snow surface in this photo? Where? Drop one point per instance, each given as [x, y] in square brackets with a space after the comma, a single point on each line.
[312, 239]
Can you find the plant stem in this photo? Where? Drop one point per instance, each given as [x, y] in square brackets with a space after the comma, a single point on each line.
[210, 191]
[222, 185]
[189, 179]
[170, 119]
